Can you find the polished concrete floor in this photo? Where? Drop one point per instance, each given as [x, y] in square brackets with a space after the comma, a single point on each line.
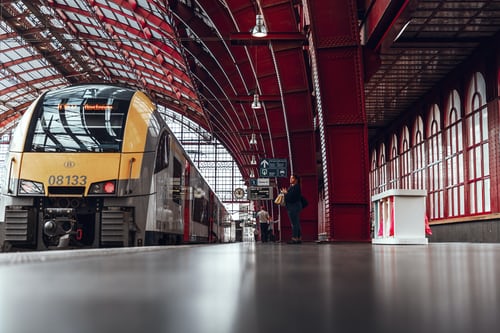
[254, 287]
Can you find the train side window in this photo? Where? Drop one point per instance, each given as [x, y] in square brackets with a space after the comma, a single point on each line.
[163, 152]
[177, 182]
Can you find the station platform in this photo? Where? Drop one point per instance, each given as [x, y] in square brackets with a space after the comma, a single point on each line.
[254, 287]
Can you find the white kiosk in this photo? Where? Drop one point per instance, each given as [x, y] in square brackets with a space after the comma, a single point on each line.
[399, 217]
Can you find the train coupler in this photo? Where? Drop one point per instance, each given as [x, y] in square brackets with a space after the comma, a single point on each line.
[58, 225]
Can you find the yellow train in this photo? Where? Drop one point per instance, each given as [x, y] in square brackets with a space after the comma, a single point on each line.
[95, 165]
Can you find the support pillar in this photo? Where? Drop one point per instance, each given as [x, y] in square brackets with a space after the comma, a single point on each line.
[337, 55]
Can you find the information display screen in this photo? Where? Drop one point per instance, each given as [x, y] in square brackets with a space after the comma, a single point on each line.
[260, 193]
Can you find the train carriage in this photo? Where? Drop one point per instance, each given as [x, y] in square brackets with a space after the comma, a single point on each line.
[95, 165]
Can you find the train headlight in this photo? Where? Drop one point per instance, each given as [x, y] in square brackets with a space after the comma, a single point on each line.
[107, 187]
[29, 187]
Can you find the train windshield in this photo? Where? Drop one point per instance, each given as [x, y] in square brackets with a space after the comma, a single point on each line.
[80, 120]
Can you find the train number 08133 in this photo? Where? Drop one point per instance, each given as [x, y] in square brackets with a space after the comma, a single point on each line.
[74, 180]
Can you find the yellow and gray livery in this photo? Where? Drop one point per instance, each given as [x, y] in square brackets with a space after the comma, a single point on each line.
[95, 165]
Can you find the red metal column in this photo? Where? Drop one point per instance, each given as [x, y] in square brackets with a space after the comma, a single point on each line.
[292, 125]
[299, 135]
[344, 142]
[493, 80]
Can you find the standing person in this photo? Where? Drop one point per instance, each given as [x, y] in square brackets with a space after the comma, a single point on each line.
[293, 204]
[263, 217]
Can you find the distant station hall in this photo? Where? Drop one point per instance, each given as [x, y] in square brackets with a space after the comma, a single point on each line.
[215, 144]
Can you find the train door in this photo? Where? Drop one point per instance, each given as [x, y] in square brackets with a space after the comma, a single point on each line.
[187, 201]
[163, 213]
[212, 234]
[177, 201]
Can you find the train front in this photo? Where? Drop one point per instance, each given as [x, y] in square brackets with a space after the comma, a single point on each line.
[71, 170]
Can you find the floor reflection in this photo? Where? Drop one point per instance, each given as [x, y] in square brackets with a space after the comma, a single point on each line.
[449, 288]
[254, 287]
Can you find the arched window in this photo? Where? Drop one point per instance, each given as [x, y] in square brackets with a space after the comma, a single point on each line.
[434, 169]
[374, 174]
[382, 169]
[418, 155]
[394, 164]
[405, 158]
[455, 186]
[476, 120]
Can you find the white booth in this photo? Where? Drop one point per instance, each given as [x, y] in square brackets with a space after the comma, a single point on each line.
[399, 217]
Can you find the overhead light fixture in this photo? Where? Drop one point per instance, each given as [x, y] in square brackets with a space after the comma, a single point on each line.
[252, 175]
[253, 139]
[253, 161]
[259, 30]
[256, 103]
[402, 30]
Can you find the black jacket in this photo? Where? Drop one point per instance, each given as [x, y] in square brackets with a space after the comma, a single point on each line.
[294, 194]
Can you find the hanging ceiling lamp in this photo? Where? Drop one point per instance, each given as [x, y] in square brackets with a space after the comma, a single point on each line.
[253, 139]
[256, 103]
[253, 161]
[259, 30]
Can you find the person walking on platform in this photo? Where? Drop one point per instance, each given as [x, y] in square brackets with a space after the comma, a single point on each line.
[293, 205]
[263, 217]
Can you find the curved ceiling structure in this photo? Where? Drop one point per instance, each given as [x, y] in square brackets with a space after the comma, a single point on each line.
[197, 57]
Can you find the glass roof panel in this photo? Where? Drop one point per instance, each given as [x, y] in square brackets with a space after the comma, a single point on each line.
[133, 24]
[138, 45]
[4, 83]
[52, 83]
[99, 33]
[125, 19]
[140, 62]
[121, 32]
[74, 3]
[109, 14]
[79, 18]
[27, 76]
[8, 96]
[156, 35]
[148, 4]
[118, 72]
[110, 54]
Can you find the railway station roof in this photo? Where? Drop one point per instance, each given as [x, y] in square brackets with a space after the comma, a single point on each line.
[198, 58]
